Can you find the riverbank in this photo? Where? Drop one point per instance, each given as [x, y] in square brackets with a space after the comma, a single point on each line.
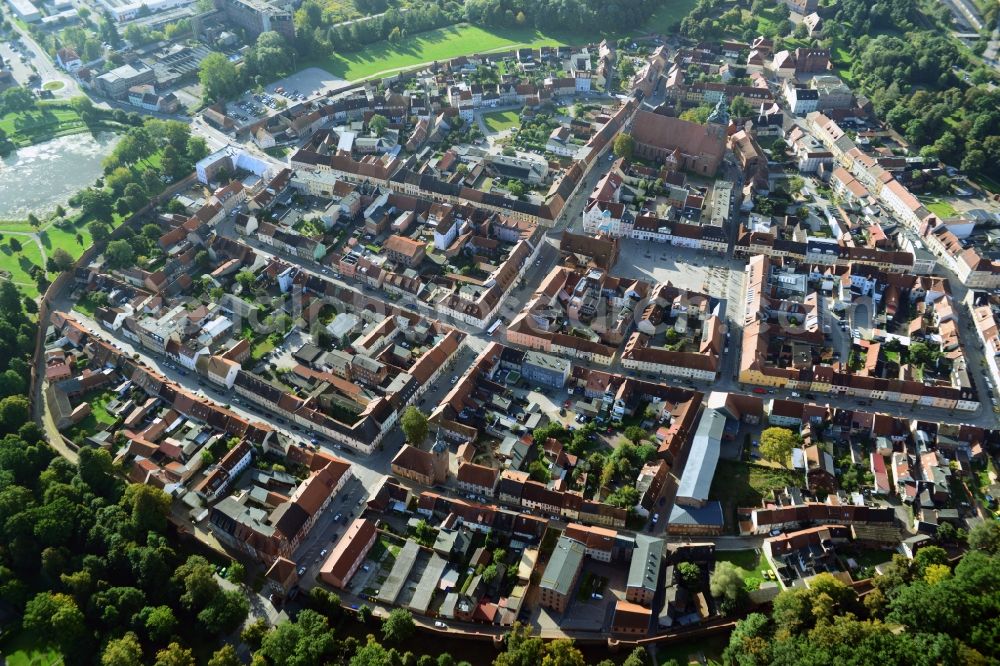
[44, 122]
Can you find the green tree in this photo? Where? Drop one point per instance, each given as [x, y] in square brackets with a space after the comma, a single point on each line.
[522, 649]
[625, 497]
[175, 655]
[750, 642]
[985, 536]
[62, 259]
[225, 612]
[776, 444]
[135, 196]
[371, 654]
[726, 581]
[637, 657]
[119, 254]
[148, 507]
[55, 617]
[225, 656]
[927, 556]
[398, 626]
[624, 145]
[690, 573]
[124, 651]
[14, 412]
[740, 108]
[236, 574]
[159, 622]
[698, 114]
[377, 124]
[562, 652]
[538, 470]
[414, 425]
[635, 434]
[270, 55]
[218, 77]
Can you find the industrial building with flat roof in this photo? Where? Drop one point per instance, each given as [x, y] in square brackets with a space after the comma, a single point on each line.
[25, 10]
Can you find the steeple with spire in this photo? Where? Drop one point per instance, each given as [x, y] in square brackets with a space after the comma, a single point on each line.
[720, 114]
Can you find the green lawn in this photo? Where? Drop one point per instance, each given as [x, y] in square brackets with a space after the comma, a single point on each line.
[747, 484]
[942, 209]
[434, 45]
[15, 265]
[260, 348]
[706, 650]
[22, 650]
[46, 122]
[98, 418]
[54, 237]
[667, 18]
[751, 564]
[498, 121]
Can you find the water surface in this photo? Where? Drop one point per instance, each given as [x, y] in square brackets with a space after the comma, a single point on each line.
[38, 178]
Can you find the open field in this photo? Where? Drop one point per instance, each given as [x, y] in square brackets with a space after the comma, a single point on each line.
[498, 121]
[668, 17]
[746, 484]
[16, 264]
[706, 650]
[22, 650]
[751, 563]
[942, 209]
[46, 122]
[440, 44]
[464, 39]
[54, 237]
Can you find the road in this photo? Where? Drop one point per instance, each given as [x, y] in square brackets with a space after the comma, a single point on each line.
[39, 60]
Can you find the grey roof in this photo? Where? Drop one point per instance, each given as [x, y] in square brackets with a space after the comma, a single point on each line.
[421, 600]
[644, 572]
[563, 566]
[710, 514]
[393, 585]
[703, 457]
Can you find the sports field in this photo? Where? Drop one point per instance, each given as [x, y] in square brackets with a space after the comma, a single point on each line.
[498, 121]
[426, 47]
[445, 43]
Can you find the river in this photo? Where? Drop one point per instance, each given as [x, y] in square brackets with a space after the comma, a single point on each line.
[38, 178]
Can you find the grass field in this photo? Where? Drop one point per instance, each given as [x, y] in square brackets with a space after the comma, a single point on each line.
[54, 237]
[746, 484]
[54, 85]
[707, 650]
[440, 44]
[498, 121]
[16, 264]
[942, 209]
[459, 40]
[46, 122]
[668, 17]
[21, 650]
[751, 564]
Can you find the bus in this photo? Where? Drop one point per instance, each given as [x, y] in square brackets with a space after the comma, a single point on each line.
[493, 327]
